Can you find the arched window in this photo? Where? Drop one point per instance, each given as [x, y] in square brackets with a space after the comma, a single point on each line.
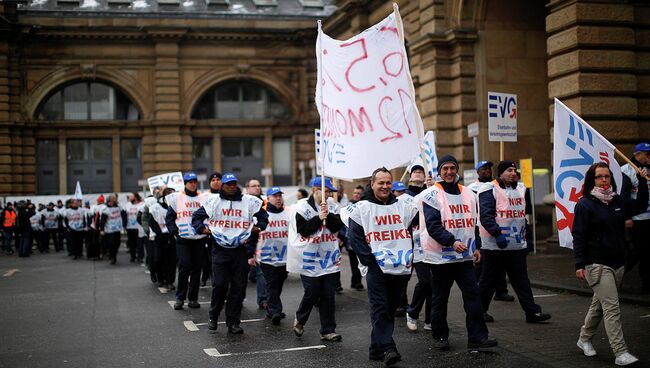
[240, 101]
[87, 101]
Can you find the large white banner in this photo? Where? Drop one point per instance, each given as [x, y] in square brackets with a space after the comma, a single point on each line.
[576, 147]
[171, 180]
[365, 99]
[429, 146]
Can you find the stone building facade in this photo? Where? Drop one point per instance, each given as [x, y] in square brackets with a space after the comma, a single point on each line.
[229, 84]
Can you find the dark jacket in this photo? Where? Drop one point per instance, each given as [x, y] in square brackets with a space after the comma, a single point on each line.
[24, 224]
[357, 235]
[412, 190]
[199, 216]
[433, 219]
[307, 227]
[599, 229]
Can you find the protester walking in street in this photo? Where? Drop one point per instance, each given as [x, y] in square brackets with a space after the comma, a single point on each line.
[599, 249]
[111, 224]
[271, 254]
[24, 227]
[232, 218]
[50, 221]
[74, 219]
[314, 254]
[502, 228]
[134, 231]
[190, 245]
[356, 278]
[254, 188]
[164, 250]
[387, 258]
[8, 218]
[206, 269]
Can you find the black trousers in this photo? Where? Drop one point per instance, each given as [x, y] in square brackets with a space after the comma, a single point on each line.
[206, 269]
[190, 254]
[59, 239]
[47, 234]
[514, 264]
[93, 246]
[132, 242]
[443, 276]
[112, 243]
[275, 277]
[639, 251]
[319, 291]
[76, 242]
[140, 245]
[501, 285]
[384, 296]
[149, 246]
[421, 293]
[354, 267]
[229, 274]
[165, 258]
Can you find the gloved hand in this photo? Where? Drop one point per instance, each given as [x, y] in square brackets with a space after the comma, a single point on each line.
[502, 241]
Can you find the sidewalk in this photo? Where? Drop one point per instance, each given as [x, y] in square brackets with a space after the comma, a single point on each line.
[557, 272]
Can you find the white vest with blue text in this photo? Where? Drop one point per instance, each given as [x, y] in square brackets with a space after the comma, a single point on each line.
[50, 219]
[185, 206]
[628, 170]
[75, 218]
[510, 216]
[317, 254]
[114, 219]
[231, 222]
[418, 252]
[272, 242]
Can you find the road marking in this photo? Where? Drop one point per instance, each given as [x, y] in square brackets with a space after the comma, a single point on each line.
[215, 353]
[11, 272]
[171, 303]
[544, 295]
[163, 290]
[191, 326]
[147, 272]
[646, 316]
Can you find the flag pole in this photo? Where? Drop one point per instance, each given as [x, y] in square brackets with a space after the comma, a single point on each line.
[320, 85]
[631, 163]
[418, 128]
[406, 171]
[501, 148]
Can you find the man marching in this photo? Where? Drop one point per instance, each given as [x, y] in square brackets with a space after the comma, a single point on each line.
[232, 218]
[271, 254]
[189, 244]
[503, 240]
[314, 254]
[447, 220]
[380, 236]
[111, 223]
[74, 219]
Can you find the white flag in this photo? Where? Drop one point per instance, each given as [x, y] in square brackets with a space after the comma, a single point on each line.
[365, 98]
[576, 147]
[77, 192]
[429, 146]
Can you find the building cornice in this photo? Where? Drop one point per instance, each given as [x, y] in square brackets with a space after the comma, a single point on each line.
[447, 38]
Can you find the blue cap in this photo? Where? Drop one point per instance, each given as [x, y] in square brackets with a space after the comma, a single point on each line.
[481, 164]
[190, 175]
[317, 182]
[642, 147]
[399, 186]
[273, 190]
[228, 177]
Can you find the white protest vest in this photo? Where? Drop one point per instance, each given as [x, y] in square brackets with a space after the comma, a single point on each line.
[96, 214]
[50, 219]
[315, 255]
[272, 242]
[387, 232]
[131, 215]
[458, 216]
[418, 252]
[628, 170]
[114, 220]
[231, 222]
[158, 213]
[75, 218]
[510, 216]
[185, 206]
[35, 222]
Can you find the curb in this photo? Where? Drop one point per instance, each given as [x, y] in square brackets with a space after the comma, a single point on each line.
[623, 297]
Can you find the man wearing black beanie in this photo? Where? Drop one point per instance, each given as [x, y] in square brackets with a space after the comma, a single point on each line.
[206, 268]
[502, 228]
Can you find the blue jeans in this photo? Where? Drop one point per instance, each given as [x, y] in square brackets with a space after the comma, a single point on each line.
[260, 285]
[6, 245]
[25, 244]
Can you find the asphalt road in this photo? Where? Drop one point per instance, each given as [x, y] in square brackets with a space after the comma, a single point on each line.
[56, 312]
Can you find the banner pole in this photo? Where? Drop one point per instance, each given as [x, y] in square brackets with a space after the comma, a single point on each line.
[320, 85]
[406, 171]
[630, 162]
[418, 128]
[501, 148]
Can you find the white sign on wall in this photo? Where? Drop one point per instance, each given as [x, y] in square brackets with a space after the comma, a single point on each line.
[502, 117]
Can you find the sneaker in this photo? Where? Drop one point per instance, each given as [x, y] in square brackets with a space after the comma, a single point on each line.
[441, 344]
[625, 359]
[178, 305]
[483, 344]
[391, 357]
[537, 317]
[339, 290]
[194, 304]
[427, 327]
[411, 323]
[276, 318]
[212, 325]
[504, 297]
[332, 336]
[487, 318]
[235, 329]
[586, 347]
[298, 329]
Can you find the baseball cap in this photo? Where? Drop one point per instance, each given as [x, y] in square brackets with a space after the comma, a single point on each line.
[399, 186]
[189, 176]
[416, 167]
[317, 182]
[483, 163]
[273, 190]
[642, 147]
[228, 177]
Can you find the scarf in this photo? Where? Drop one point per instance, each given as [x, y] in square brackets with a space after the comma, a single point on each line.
[604, 195]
